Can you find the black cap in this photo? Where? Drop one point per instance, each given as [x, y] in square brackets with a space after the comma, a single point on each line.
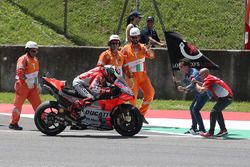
[136, 14]
[150, 18]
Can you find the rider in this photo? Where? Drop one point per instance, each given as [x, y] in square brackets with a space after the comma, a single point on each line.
[96, 84]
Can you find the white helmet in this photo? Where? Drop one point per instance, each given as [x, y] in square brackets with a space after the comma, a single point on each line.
[31, 45]
[114, 37]
[134, 31]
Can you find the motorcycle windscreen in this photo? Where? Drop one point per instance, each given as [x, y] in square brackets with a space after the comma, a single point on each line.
[121, 83]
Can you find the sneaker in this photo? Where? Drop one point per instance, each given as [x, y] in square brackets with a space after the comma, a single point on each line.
[200, 131]
[207, 135]
[15, 127]
[144, 120]
[191, 131]
[222, 133]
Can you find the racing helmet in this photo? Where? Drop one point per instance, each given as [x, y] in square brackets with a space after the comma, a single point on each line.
[31, 45]
[110, 73]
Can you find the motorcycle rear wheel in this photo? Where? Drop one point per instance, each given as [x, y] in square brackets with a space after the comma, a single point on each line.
[45, 120]
[127, 120]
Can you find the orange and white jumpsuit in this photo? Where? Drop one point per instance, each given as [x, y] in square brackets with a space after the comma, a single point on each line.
[135, 60]
[116, 59]
[26, 86]
[110, 58]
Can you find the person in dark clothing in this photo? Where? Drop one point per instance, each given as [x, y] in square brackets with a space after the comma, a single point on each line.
[149, 34]
[199, 99]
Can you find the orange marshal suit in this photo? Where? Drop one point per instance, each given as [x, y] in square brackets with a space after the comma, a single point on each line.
[26, 86]
[135, 60]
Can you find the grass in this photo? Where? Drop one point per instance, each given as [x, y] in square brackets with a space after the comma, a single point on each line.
[216, 24]
[18, 28]
[156, 104]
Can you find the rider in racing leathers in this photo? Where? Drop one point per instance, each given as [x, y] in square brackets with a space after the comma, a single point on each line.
[95, 84]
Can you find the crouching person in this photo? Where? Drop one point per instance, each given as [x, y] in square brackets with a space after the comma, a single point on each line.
[95, 84]
[222, 93]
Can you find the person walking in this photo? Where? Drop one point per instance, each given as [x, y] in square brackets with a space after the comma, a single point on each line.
[199, 99]
[135, 54]
[26, 85]
[222, 93]
[149, 34]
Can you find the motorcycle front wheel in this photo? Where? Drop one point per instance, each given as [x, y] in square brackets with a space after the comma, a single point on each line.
[45, 118]
[127, 120]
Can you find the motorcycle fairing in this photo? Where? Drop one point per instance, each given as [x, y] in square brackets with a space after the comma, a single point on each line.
[59, 85]
[96, 117]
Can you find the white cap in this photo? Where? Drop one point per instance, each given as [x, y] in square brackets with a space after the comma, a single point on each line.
[134, 31]
[114, 37]
[31, 45]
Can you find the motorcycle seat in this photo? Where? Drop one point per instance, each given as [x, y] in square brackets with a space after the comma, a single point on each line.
[72, 92]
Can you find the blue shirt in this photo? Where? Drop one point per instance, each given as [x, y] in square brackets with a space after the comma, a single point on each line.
[187, 81]
[192, 73]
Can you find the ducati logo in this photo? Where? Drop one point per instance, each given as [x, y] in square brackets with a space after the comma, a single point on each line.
[192, 50]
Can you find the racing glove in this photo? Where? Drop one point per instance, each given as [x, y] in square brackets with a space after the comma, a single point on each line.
[115, 91]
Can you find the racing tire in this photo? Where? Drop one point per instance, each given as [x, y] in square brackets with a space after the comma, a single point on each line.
[45, 121]
[127, 120]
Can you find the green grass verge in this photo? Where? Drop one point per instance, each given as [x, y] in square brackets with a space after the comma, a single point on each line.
[156, 104]
[216, 24]
[18, 28]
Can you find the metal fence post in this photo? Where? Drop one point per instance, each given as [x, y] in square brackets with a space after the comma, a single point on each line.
[121, 17]
[65, 26]
[137, 5]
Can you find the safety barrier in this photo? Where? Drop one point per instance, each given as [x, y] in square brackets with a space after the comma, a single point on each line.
[66, 62]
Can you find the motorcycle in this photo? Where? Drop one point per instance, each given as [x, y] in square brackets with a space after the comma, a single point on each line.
[52, 117]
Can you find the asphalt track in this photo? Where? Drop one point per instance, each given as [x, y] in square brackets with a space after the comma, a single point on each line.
[173, 121]
[161, 143]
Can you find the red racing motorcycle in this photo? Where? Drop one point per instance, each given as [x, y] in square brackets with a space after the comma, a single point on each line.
[52, 117]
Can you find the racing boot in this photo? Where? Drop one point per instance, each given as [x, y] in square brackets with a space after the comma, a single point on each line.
[74, 112]
[82, 103]
[75, 109]
[15, 127]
